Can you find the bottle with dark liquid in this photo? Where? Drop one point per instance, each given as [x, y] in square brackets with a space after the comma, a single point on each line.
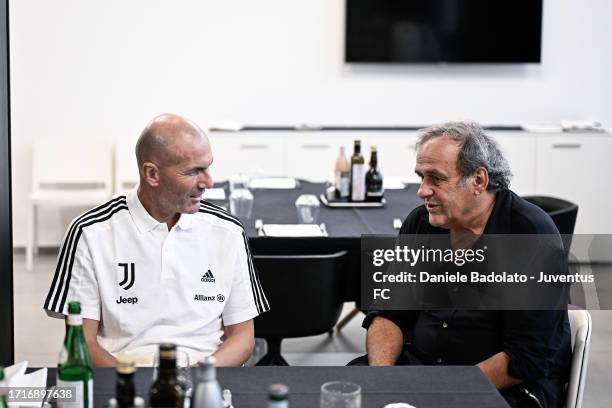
[74, 370]
[125, 392]
[374, 179]
[357, 174]
[167, 390]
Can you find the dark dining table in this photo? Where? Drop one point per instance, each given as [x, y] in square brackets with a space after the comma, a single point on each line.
[344, 226]
[420, 386]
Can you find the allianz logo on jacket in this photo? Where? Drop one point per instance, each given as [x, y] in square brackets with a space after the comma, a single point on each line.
[129, 278]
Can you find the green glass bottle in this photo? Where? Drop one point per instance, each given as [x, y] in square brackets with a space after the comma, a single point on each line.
[167, 390]
[278, 396]
[3, 403]
[74, 370]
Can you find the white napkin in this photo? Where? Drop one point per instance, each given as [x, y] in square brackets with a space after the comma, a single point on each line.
[214, 194]
[393, 183]
[292, 230]
[287, 183]
[15, 376]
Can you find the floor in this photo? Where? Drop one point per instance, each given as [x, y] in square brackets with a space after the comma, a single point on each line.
[38, 338]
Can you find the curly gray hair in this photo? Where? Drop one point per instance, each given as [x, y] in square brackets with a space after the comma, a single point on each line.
[476, 149]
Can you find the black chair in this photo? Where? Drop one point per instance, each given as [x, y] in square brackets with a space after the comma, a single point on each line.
[305, 295]
[563, 214]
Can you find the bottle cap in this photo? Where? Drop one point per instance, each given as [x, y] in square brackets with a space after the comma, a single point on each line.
[167, 351]
[278, 391]
[125, 365]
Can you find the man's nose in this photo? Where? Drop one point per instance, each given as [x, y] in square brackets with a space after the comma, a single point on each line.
[424, 190]
[205, 180]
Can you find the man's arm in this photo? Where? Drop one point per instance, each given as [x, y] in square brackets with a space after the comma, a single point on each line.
[99, 356]
[384, 342]
[496, 370]
[238, 344]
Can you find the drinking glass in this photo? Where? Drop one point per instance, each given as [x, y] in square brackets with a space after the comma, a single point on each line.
[237, 181]
[307, 207]
[340, 394]
[241, 203]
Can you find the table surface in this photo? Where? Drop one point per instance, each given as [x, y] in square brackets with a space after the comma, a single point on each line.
[420, 386]
[278, 207]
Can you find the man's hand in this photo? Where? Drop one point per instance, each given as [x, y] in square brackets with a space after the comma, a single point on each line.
[99, 356]
[496, 370]
[384, 342]
[238, 344]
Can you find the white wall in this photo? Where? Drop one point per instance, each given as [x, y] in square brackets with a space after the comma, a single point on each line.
[104, 68]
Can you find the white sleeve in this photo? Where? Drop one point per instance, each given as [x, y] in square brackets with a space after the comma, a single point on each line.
[74, 279]
[246, 299]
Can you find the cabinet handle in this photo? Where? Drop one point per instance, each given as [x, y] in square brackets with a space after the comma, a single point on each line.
[254, 146]
[566, 146]
[315, 146]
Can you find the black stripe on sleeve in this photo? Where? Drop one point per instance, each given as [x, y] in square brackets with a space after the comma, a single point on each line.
[63, 271]
[258, 295]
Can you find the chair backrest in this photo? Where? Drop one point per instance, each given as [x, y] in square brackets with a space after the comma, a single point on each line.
[580, 324]
[72, 164]
[126, 168]
[562, 212]
[304, 291]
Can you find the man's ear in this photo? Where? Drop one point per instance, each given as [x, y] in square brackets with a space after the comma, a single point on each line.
[150, 173]
[480, 180]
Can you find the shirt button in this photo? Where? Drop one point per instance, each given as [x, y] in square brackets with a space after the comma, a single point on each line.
[445, 325]
[439, 360]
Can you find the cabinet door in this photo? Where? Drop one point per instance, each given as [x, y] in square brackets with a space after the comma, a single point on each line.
[574, 167]
[312, 155]
[397, 154]
[251, 153]
[520, 150]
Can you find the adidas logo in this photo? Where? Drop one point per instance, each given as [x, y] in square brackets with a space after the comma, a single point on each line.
[208, 277]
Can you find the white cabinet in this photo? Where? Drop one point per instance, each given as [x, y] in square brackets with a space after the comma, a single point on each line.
[397, 154]
[252, 153]
[312, 155]
[520, 150]
[575, 167]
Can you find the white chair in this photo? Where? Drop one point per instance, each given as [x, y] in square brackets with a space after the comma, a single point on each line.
[126, 168]
[67, 172]
[580, 324]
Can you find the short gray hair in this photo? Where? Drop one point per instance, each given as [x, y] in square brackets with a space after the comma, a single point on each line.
[476, 149]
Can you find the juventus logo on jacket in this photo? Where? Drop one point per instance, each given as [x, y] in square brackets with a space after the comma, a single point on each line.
[129, 275]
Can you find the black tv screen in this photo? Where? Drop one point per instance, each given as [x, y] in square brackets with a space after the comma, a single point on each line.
[470, 31]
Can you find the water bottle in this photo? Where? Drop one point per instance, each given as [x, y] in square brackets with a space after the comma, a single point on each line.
[207, 390]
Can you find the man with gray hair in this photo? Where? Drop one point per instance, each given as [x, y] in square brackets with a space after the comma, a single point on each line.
[465, 189]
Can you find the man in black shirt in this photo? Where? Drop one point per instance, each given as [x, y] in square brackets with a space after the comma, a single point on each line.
[525, 354]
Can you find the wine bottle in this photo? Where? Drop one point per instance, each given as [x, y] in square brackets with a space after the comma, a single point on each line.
[357, 174]
[125, 391]
[74, 370]
[342, 175]
[166, 390]
[374, 178]
[278, 396]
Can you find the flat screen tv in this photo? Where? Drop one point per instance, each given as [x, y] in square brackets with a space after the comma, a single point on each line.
[426, 31]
